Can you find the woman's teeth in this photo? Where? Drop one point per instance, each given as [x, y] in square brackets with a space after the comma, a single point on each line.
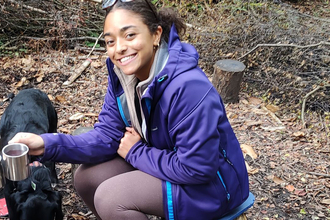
[126, 58]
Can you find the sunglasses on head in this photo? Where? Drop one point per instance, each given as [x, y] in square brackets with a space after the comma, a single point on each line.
[108, 3]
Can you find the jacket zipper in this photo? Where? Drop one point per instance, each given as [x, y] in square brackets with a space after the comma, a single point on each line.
[226, 158]
[224, 185]
[224, 153]
[170, 206]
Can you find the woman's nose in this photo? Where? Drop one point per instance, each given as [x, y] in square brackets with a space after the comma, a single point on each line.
[121, 46]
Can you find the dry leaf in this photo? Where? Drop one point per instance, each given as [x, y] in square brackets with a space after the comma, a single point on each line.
[251, 170]
[97, 64]
[273, 128]
[290, 188]
[255, 101]
[60, 99]
[23, 81]
[272, 165]
[299, 134]
[249, 151]
[253, 123]
[244, 101]
[64, 130]
[78, 217]
[25, 61]
[325, 201]
[76, 116]
[300, 192]
[273, 108]
[91, 114]
[51, 98]
[278, 180]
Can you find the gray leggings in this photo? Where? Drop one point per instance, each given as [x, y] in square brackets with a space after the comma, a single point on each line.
[116, 190]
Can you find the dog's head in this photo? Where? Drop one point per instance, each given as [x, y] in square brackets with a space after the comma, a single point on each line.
[41, 207]
[35, 199]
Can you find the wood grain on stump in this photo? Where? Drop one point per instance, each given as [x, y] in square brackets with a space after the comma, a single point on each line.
[227, 78]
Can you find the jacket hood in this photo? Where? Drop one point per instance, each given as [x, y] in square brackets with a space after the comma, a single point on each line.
[179, 53]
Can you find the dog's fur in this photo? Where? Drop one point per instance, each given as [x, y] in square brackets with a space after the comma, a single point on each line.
[34, 198]
[29, 111]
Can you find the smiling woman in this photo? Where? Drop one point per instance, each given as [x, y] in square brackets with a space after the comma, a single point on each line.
[163, 145]
[130, 45]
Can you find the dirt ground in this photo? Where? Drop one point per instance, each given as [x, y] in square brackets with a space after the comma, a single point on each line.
[285, 48]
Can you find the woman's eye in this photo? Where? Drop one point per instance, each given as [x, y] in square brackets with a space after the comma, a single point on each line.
[109, 43]
[129, 36]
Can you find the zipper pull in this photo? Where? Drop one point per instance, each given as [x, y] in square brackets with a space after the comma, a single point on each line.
[226, 158]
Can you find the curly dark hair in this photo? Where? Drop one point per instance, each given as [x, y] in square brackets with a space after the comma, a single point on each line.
[165, 17]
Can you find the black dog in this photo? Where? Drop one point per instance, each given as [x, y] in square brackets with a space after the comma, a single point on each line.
[34, 198]
[30, 111]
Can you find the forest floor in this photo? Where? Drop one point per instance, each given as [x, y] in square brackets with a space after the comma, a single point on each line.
[286, 50]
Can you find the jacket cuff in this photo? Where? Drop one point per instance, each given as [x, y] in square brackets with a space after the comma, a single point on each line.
[133, 150]
[50, 144]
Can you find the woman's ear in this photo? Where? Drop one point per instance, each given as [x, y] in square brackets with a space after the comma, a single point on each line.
[158, 35]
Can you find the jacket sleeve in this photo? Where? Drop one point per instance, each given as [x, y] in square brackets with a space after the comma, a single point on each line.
[195, 131]
[95, 146]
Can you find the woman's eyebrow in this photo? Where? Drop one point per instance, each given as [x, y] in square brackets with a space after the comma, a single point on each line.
[123, 29]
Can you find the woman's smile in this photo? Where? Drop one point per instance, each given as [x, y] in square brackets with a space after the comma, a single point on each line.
[127, 59]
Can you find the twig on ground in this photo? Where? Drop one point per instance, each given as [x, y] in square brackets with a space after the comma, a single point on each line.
[56, 38]
[28, 7]
[97, 1]
[305, 99]
[320, 174]
[81, 69]
[9, 42]
[285, 45]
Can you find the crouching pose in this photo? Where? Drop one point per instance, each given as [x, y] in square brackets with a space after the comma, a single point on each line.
[163, 144]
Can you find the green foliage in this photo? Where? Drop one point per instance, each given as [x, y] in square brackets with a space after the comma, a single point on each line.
[93, 34]
[184, 6]
[91, 44]
[239, 6]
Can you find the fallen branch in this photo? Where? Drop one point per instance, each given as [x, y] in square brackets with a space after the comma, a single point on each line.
[81, 69]
[9, 42]
[97, 1]
[305, 99]
[62, 39]
[285, 45]
[28, 7]
[319, 174]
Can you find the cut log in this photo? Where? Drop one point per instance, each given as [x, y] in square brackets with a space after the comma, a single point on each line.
[227, 77]
[78, 131]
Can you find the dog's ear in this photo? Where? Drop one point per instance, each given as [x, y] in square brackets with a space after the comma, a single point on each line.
[19, 197]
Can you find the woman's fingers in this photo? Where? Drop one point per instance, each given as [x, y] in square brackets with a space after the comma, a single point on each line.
[19, 138]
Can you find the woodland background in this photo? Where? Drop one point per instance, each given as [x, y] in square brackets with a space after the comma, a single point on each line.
[282, 119]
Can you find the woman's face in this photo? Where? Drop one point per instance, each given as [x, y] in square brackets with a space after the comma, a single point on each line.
[129, 43]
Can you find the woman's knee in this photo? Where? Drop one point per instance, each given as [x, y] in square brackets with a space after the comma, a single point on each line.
[81, 180]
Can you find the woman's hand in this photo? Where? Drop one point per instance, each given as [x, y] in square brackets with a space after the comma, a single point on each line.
[33, 141]
[130, 138]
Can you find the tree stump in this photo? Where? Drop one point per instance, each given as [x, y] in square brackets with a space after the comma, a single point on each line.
[227, 77]
[78, 131]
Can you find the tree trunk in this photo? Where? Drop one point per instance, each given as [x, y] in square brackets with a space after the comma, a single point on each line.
[227, 78]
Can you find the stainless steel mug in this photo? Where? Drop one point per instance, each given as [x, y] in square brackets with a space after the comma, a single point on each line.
[15, 161]
[2, 178]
